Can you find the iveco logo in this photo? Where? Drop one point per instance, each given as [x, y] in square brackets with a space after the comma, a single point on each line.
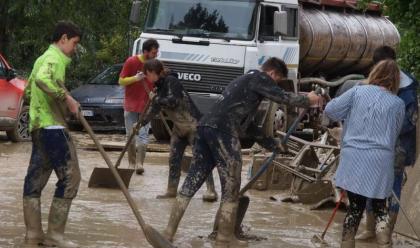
[189, 76]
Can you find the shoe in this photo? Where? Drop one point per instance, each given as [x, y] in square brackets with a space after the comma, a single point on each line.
[56, 224]
[211, 194]
[369, 234]
[178, 210]
[32, 217]
[140, 157]
[383, 234]
[172, 189]
[226, 226]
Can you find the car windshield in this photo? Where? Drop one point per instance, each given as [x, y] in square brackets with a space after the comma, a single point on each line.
[202, 18]
[108, 77]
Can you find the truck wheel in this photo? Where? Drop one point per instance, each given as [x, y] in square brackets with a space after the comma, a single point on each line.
[21, 131]
[159, 130]
[276, 120]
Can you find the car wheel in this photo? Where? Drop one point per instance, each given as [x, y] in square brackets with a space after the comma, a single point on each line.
[159, 130]
[21, 130]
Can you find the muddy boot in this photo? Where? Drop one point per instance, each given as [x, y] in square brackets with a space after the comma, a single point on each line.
[177, 212]
[32, 216]
[383, 234]
[369, 234]
[348, 244]
[141, 155]
[226, 227]
[211, 194]
[172, 189]
[57, 222]
[131, 156]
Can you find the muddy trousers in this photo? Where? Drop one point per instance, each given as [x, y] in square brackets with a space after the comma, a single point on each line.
[178, 146]
[215, 148]
[52, 149]
[355, 212]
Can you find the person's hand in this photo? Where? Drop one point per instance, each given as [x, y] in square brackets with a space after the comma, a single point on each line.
[72, 104]
[314, 98]
[139, 76]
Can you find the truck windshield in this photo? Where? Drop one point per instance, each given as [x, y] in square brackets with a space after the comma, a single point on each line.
[202, 18]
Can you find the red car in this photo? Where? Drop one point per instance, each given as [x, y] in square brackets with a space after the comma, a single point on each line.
[14, 113]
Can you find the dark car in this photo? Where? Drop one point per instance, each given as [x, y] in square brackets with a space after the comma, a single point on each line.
[14, 113]
[101, 100]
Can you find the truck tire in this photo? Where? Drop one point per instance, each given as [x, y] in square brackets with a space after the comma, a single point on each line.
[21, 130]
[276, 113]
[159, 130]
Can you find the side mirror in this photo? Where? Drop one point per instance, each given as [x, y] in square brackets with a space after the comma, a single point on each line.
[11, 74]
[280, 23]
[135, 12]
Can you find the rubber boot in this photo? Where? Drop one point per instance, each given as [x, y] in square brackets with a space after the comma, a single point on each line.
[132, 155]
[211, 194]
[369, 234]
[383, 234]
[141, 155]
[56, 224]
[392, 220]
[32, 217]
[348, 244]
[177, 212]
[172, 189]
[226, 227]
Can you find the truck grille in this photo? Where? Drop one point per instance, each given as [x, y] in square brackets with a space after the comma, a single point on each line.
[212, 79]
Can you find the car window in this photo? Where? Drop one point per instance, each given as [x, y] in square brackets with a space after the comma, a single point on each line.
[108, 77]
[3, 69]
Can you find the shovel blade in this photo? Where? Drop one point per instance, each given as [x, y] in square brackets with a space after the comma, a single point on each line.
[156, 239]
[317, 239]
[103, 178]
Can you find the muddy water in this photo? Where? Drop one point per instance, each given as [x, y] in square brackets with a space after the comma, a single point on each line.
[102, 218]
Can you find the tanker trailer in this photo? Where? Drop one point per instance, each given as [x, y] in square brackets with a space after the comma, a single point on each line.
[209, 43]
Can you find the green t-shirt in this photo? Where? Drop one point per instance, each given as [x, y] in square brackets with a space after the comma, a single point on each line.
[47, 97]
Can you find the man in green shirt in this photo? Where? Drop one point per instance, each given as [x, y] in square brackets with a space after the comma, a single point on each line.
[52, 146]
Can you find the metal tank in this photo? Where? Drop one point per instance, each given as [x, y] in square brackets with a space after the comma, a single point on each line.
[333, 42]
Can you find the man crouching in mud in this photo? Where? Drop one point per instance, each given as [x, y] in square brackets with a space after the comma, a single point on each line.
[176, 103]
[218, 143]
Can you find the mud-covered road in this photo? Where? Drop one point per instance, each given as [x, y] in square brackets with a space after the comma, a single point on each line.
[102, 218]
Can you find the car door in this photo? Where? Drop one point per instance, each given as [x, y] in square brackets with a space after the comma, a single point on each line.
[9, 94]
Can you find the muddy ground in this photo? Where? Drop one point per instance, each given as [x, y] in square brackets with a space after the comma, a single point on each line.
[102, 218]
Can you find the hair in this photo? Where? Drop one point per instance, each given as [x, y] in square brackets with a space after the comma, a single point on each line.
[277, 65]
[154, 65]
[386, 74]
[66, 27]
[149, 44]
[382, 53]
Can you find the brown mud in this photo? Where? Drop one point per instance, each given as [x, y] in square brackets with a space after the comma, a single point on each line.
[102, 217]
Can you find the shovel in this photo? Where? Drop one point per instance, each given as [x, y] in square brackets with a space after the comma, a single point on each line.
[152, 235]
[319, 239]
[243, 199]
[103, 177]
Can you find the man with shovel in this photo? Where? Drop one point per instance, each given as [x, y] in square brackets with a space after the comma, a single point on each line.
[172, 99]
[52, 146]
[217, 142]
[135, 101]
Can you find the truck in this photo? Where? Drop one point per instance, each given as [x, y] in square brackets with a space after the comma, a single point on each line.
[208, 43]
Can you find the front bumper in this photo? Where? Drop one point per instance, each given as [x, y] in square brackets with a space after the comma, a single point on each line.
[102, 117]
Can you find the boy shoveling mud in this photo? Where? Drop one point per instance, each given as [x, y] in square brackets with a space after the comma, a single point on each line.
[218, 143]
[52, 146]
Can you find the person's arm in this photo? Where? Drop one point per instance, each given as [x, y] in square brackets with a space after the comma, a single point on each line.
[265, 86]
[45, 80]
[129, 73]
[173, 95]
[338, 108]
[267, 142]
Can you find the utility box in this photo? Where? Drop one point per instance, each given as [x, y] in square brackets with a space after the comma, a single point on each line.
[274, 178]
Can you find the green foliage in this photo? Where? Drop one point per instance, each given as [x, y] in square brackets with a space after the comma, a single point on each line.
[26, 26]
[405, 15]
